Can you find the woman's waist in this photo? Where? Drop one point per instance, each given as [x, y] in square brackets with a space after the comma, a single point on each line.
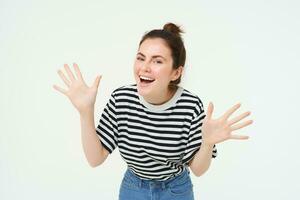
[181, 176]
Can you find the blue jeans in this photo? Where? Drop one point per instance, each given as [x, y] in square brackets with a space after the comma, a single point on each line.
[179, 187]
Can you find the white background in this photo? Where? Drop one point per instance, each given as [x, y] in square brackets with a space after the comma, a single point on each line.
[237, 51]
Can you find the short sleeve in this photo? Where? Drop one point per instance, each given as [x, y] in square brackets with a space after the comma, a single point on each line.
[195, 136]
[107, 129]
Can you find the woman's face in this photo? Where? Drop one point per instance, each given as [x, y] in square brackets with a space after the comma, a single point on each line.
[153, 69]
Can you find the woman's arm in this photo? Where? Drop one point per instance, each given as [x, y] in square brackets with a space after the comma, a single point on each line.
[215, 131]
[94, 151]
[202, 159]
[83, 97]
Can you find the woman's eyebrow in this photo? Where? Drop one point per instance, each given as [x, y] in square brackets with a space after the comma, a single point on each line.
[139, 53]
[158, 56]
[154, 56]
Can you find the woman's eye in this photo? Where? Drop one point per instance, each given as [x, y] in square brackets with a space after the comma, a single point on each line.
[139, 58]
[158, 61]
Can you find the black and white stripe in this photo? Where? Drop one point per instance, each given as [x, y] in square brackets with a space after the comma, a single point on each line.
[155, 144]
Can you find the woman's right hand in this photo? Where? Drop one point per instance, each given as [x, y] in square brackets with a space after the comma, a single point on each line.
[81, 95]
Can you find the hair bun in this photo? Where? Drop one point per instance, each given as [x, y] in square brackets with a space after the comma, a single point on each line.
[173, 28]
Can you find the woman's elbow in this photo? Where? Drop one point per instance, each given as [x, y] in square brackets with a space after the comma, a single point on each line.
[99, 161]
[96, 163]
[198, 173]
[93, 165]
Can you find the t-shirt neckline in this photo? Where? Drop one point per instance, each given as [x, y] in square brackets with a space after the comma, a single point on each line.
[163, 106]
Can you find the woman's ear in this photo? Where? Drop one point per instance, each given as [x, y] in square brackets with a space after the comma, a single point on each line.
[177, 73]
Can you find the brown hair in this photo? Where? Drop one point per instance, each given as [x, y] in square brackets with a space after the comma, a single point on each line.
[171, 34]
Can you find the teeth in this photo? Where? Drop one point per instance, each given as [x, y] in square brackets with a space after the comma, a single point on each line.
[146, 78]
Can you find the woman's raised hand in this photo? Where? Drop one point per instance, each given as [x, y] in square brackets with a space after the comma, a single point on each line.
[217, 130]
[81, 95]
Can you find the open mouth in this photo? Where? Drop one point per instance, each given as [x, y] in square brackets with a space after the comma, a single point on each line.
[146, 80]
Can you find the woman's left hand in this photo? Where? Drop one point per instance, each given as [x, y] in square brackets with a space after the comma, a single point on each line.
[218, 130]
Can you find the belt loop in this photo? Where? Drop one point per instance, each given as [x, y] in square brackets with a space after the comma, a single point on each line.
[140, 183]
[163, 185]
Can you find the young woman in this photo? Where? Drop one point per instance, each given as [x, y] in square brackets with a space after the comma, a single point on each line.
[160, 128]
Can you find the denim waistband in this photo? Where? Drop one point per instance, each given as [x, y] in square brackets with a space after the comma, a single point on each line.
[142, 183]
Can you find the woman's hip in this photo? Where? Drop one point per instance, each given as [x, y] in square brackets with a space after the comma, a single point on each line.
[176, 188]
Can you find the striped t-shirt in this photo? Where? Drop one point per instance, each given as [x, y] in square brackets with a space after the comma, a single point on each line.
[156, 141]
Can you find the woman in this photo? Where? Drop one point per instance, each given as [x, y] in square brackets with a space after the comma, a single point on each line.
[157, 125]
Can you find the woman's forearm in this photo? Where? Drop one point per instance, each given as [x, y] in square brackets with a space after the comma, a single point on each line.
[92, 146]
[202, 159]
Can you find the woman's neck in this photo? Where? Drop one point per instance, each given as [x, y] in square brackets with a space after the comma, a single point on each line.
[162, 98]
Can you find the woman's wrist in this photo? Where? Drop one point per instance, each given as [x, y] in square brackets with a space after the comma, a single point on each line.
[87, 111]
[207, 145]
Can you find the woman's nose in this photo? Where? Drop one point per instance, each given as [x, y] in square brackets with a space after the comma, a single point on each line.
[145, 66]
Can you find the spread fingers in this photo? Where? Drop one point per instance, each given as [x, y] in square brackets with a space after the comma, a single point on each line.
[64, 78]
